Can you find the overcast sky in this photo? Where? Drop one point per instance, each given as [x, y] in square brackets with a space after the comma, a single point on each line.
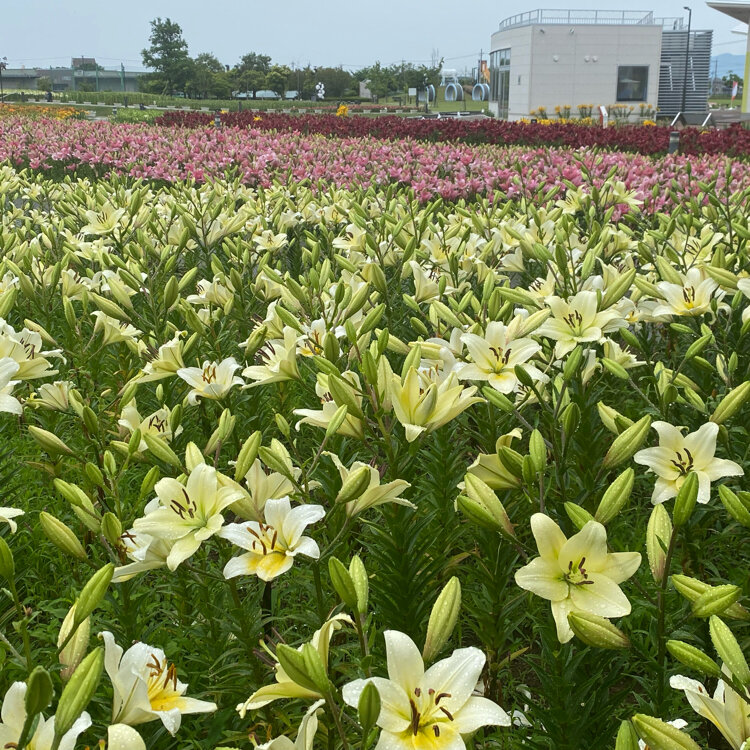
[47, 33]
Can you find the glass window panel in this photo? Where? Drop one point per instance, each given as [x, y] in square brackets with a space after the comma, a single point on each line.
[632, 83]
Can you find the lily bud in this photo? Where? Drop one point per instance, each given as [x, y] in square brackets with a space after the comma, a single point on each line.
[92, 593]
[354, 485]
[627, 443]
[685, 501]
[62, 536]
[481, 505]
[90, 420]
[293, 663]
[578, 515]
[716, 600]
[368, 707]
[659, 735]
[692, 589]
[537, 451]
[498, 399]
[51, 443]
[572, 363]
[658, 536]
[734, 506]
[79, 691]
[731, 403]
[149, 481]
[627, 739]
[694, 658]
[111, 528]
[729, 650]
[358, 574]
[443, 619]
[77, 645]
[159, 449]
[571, 418]
[247, 455]
[39, 692]
[597, 631]
[615, 497]
[315, 668]
[7, 565]
[342, 583]
[612, 419]
[336, 421]
[94, 474]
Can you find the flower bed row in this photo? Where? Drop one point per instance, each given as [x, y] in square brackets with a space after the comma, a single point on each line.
[448, 170]
[734, 141]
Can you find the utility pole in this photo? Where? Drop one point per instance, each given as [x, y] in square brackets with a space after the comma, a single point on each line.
[3, 66]
[687, 57]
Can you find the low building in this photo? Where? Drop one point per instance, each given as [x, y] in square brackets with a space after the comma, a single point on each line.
[740, 11]
[570, 58]
[83, 75]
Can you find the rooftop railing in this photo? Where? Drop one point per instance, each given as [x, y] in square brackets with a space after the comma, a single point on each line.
[593, 17]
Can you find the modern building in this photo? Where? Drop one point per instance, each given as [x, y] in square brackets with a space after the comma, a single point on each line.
[739, 10]
[83, 75]
[551, 58]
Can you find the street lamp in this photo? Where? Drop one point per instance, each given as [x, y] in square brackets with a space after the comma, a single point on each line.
[687, 57]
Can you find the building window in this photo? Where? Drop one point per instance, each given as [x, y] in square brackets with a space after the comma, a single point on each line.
[632, 83]
[500, 79]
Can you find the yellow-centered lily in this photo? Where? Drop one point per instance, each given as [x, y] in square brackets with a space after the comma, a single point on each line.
[577, 574]
[428, 710]
[678, 455]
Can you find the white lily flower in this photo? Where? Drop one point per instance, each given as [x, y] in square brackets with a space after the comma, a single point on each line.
[495, 356]
[7, 515]
[214, 380]
[167, 361]
[8, 403]
[678, 455]
[114, 330]
[727, 711]
[576, 321]
[691, 298]
[146, 552]
[187, 514]
[272, 545]
[676, 723]
[13, 717]
[26, 348]
[156, 424]
[577, 574]
[305, 734]
[279, 357]
[53, 396]
[428, 709]
[146, 687]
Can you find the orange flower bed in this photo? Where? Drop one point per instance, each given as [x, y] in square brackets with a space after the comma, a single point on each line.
[39, 111]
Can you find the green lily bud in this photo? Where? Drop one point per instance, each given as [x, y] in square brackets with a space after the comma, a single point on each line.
[659, 735]
[572, 363]
[7, 565]
[38, 692]
[442, 619]
[627, 739]
[354, 485]
[109, 463]
[111, 528]
[315, 668]
[481, 505]
[611, 418]
[361, 582]
[79, 691]
[571, 418]
[49, 442]
[658, 537]
[149, 481]
[336, 421]
[537, 450]
[716, 600]
[692, 588]
[528, 471]
[372, 319]
[578, 515]
[498, 399]
[77, 643]
[694, 658]
[247, 455]
[94, 474]
[698, 346]
[614, 368]
[685, 501]
[90, 420]
[597, 631]
[255, 340]
[617, 290]
[368, 707]
[511, 459]
[731, 403]
[282, 424]
[135, 441]
[342, 583]
[92, 593]
[615, 497]
[728, 649]
[62, 536]
[170, 292]
[159, 449]
[734, 506]
[627, 443]
[293, 663]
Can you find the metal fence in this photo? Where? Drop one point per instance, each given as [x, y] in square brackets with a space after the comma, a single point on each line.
[591, 17]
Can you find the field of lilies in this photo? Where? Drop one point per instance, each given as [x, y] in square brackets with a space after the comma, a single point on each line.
[370, 444]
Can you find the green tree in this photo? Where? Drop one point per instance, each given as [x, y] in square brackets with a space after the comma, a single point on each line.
[337, 81]
[276, 79]
[209, 79]
[44, 83]
[168, 56]
[249, 74]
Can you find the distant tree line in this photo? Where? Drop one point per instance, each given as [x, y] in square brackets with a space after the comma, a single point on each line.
[206, 77]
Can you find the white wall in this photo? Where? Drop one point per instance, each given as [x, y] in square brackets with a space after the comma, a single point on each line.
[571, 79]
